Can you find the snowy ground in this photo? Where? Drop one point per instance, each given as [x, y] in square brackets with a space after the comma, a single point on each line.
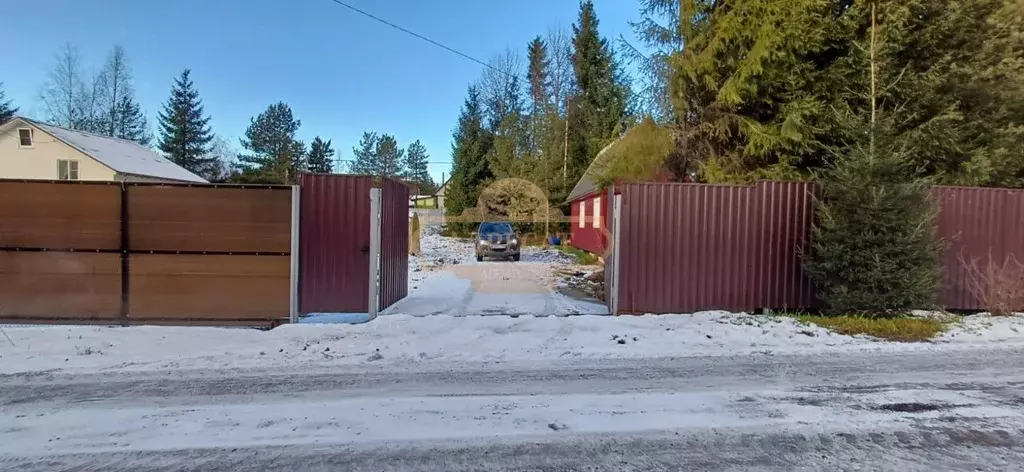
[410, 341]
[464, 390]
[446, 279]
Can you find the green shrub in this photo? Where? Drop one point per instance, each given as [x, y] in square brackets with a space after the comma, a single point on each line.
[874, 249]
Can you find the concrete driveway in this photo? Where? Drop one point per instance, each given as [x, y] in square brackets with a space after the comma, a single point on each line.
[526, 287]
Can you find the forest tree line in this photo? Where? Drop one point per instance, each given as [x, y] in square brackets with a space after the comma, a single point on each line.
[104, 103]
[753, 89]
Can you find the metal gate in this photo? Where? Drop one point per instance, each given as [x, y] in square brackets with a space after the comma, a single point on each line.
[354, 242]
[334, 243]
[394, 247]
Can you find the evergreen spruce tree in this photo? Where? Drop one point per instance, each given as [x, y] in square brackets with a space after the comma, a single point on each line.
[539, 76]
[417, 168]
[874, 248]
[131, 123]
[365, 154]
[389, 157]
[993, 91]
[759, 84]
[545, 128]
[185, 133]
[509, 131]
[320, 155]
[542, 110]
[470, 168]
[659, 30]
[598, 109]
[7, 110]
[273, 149]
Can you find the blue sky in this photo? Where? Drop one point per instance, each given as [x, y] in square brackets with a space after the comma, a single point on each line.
[341, 73]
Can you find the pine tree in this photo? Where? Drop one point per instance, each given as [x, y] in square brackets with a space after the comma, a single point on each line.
[130, 122]
[365, 162]
[389, 157]
[185, 134]
[274, 151]
[470, 169]
[7, 111]
[598, 109]
[320, 155]
[417, 168]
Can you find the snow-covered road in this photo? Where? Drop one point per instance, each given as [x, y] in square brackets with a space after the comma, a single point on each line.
[876, 411]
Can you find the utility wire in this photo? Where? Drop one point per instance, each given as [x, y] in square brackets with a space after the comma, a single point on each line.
[431, 41]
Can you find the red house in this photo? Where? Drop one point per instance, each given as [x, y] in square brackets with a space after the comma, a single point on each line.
[590, 206]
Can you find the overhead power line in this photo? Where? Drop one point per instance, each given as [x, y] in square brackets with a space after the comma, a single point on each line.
[417, 35]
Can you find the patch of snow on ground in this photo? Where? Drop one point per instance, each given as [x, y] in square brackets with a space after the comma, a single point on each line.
[436, 253]
[404, 340]
[985, 328]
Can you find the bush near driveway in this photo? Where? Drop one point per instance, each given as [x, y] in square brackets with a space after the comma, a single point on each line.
[904, 329]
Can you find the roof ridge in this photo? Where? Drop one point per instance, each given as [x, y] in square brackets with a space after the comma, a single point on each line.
[89, 133]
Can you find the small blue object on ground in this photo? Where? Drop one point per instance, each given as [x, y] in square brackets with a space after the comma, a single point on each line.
[335, 318]
[554, 240]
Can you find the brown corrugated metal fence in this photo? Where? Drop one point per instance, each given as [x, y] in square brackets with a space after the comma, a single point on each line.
[394, 247]
[135, 252]
[692, 247]
[977, 224]
[335, 243]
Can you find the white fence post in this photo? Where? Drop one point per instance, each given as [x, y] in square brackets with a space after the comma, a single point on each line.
[374, 295]
[613, 302]
[293, 305]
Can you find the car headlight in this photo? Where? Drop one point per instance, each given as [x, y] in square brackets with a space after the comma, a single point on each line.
[483, 242]
[514, 241]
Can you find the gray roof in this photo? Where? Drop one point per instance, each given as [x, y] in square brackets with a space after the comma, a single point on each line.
[121, 155]
[587, 185]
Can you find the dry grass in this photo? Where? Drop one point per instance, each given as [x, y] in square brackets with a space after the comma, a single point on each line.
[997, 284]
[582, 257]
[892, 329]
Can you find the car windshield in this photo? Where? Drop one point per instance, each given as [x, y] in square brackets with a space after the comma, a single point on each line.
[487, 228]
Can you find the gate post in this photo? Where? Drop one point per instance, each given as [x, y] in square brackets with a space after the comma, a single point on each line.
[613, 292]
[374, 295]
[293, 305]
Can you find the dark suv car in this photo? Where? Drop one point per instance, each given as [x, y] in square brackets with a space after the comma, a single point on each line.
[496, 239]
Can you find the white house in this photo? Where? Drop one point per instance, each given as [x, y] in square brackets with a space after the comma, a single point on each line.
[31, 149]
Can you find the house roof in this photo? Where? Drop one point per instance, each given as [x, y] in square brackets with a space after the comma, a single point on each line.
[586, 184]
[639, 144]
[441, 189]
[120, 155]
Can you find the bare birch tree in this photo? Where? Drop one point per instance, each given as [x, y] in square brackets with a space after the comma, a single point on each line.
[62, 94]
